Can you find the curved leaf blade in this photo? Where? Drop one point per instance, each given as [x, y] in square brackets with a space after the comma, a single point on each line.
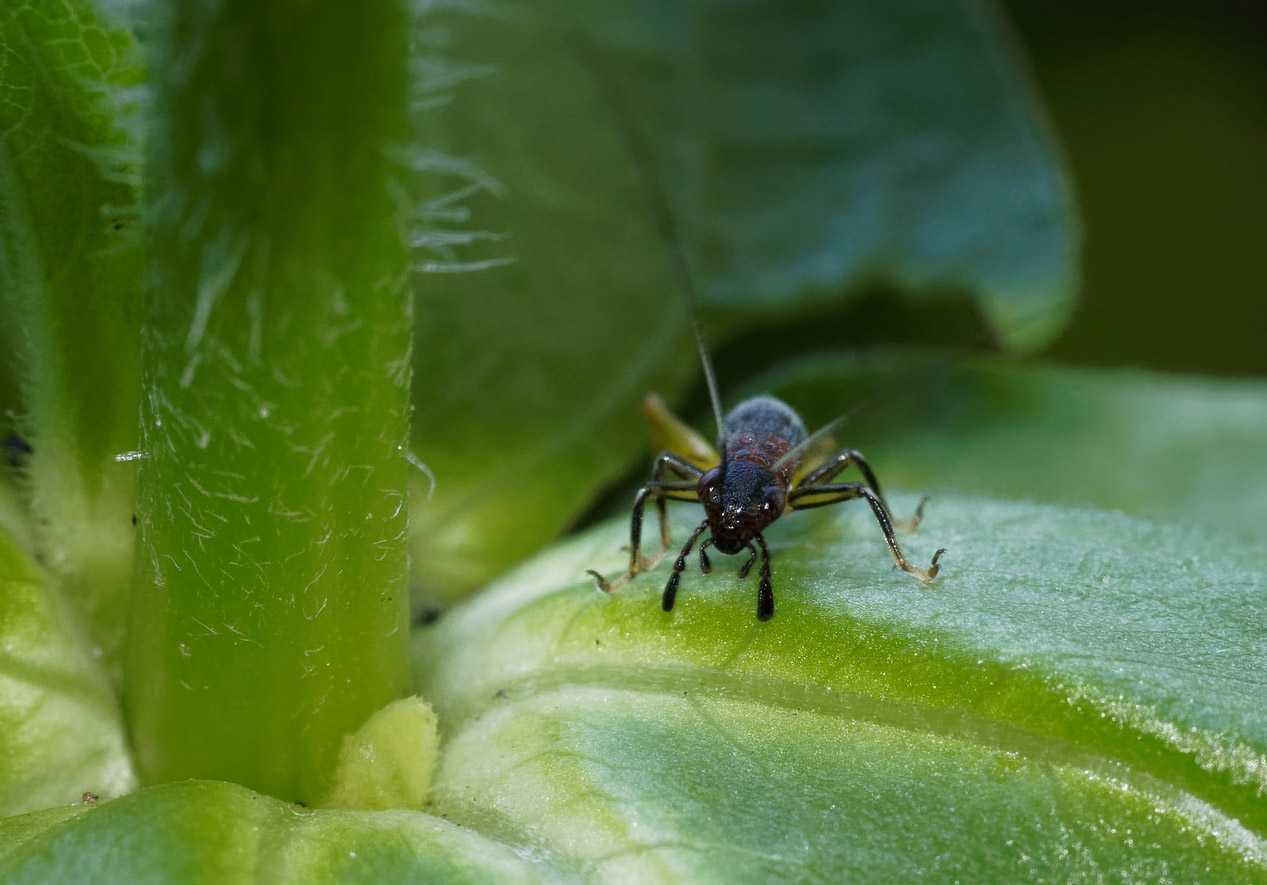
[70, 273]
[1082, 685]
[207, 831]
[805, 153]
[60, 729]
[821, 148]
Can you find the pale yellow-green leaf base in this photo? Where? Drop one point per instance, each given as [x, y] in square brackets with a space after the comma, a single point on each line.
[388, 762]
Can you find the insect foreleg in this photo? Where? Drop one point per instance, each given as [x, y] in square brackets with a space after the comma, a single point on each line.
[661, 490]
[670, 589]
[765, 592]
[820, 496]
[705, 565]
[684, 469]
[840, 462]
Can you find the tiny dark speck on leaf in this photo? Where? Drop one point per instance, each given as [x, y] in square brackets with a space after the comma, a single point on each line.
[90, 798]
[133, 519]
[426, 616]
[16, 450]
[501, 695]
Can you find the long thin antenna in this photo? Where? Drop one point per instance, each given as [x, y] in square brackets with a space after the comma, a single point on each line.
[796, 452]
[666, 223]
[886, 391]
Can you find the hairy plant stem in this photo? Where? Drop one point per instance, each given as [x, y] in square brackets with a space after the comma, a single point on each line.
[270, 610]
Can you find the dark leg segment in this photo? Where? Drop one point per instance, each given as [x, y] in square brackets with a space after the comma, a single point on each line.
[765, 593]
[683, 490]
[667, 461]
[670, 589]
[839, 462]
[848, 491]
[704, 565]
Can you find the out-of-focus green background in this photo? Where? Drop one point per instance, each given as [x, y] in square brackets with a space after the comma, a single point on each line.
[1162, 112]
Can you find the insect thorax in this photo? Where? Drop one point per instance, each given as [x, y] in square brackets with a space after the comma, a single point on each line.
[764, 428]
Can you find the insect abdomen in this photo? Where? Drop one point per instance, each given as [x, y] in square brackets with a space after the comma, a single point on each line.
[763, 428]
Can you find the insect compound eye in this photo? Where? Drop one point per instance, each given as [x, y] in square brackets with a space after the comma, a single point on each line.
[771, 501]
[709, 488]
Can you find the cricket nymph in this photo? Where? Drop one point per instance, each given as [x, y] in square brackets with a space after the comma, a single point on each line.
[745, 493]
[764, 464]
[769, 467]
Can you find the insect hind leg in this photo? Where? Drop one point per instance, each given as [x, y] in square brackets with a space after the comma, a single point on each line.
[821, 496]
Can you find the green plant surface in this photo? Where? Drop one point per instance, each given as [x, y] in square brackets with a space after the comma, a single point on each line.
[70, 271]
[202, 831]
[270, 615]
[804, 153]
[62, 732]
[388, 761]
[1075, 697]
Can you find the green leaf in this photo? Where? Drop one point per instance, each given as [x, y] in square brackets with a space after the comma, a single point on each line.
[528, 372]
[60, 729]
[1182, 449]
[70, 272]
[805, 154]
[270, 615]
[203, 831]
[816, 149]
[1077, 696]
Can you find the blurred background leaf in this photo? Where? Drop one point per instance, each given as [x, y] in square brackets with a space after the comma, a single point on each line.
[805, 151]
